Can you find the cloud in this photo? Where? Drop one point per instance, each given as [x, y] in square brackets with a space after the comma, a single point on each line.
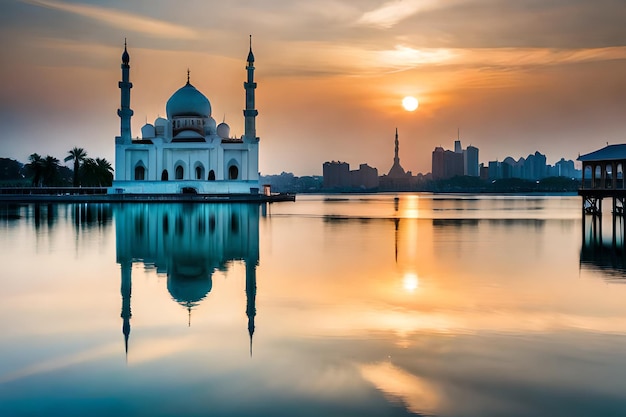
[395, 11]
[306, 59]
[122, 20]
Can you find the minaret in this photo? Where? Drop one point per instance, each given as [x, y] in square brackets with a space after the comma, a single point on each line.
[250, 298]
[396, 170]
[250, 113]
[125, 112]
[126, 292]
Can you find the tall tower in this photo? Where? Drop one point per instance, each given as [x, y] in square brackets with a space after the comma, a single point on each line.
[125, 112]
[250, 112]
[396, 158]
[396, 170]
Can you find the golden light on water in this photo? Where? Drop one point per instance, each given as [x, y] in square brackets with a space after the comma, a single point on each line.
[410, 282]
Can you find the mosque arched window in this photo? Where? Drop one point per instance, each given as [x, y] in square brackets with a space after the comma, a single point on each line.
[179, 172]
[211, 175]
[164, 175]
[233, 172]
[140, 173]
[199, 173]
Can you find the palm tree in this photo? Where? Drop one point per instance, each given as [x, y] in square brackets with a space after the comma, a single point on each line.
[35, 168]
[88, 172]
[96, 172]
[105, 172]
[78, 155]
[50, 170]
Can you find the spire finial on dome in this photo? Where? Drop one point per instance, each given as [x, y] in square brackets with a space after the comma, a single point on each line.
[188, 76]
[125, 56]
[250, 54]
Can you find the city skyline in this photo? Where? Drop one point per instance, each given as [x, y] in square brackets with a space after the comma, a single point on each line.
[331, 76]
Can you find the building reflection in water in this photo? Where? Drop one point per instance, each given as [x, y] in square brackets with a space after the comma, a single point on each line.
[188, 243]
[604, 252]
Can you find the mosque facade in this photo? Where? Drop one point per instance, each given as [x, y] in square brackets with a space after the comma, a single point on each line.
[187, 152]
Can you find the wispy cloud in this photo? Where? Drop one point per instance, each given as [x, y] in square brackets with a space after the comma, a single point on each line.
[395, 11]
[122, 20]
[298, 59]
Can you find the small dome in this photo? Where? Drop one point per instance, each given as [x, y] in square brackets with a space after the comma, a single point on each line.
[187, 101]
[209, 127]
[147, 131]
[160, 122]
[223, 130]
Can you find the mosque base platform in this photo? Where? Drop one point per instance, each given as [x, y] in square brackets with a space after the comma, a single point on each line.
[70, 195]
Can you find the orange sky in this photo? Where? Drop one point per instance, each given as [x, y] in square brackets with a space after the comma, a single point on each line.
[515, 77]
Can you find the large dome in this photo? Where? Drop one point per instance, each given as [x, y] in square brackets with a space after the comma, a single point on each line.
[188, 101]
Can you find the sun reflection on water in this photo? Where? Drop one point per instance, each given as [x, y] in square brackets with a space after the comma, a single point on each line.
[410, 282]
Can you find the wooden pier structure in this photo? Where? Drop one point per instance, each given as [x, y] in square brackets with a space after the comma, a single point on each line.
[603, 177]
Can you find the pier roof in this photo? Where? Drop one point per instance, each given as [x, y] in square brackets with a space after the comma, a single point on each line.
[608, 153]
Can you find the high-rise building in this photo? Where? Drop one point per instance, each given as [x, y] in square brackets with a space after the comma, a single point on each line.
[438, 168]
[470, 161]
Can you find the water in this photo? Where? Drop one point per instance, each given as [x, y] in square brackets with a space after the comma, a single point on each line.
[330, 306]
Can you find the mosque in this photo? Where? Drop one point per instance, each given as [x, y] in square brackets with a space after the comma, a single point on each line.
[187, 152]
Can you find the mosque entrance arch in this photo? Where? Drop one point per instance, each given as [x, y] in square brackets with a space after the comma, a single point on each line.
[233, 172]
[140, 172]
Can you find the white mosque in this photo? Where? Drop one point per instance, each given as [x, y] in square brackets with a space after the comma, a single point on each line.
[187, 152]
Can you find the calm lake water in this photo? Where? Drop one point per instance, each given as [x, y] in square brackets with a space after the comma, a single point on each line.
[364, 305]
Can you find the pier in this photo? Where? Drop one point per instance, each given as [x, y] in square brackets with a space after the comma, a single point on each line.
[603, 178]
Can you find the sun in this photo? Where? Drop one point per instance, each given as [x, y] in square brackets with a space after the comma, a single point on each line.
[410, 103]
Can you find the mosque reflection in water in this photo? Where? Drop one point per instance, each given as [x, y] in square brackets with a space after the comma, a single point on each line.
[187, 243]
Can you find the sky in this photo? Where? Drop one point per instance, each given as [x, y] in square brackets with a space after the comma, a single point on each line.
[512, 77]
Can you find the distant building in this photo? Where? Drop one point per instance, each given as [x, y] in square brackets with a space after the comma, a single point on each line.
[438, 167]
[447, 164]
[494, 170]
[336, 174]
[484, 172]
[453, 164]
[565, 168]
[365, 177]
[470, 162]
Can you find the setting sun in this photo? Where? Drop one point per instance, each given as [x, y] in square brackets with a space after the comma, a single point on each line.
[410, 103]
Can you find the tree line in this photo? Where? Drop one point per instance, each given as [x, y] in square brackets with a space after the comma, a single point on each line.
[47, 171]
